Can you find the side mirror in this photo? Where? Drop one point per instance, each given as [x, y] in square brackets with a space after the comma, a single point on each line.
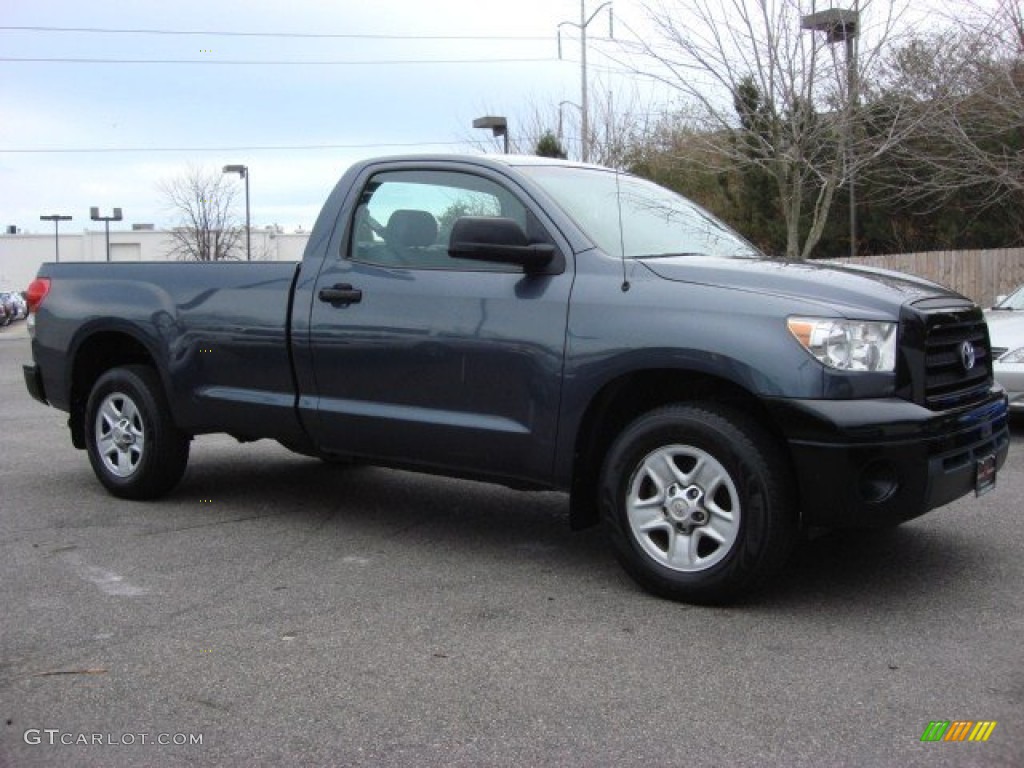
[493, 238]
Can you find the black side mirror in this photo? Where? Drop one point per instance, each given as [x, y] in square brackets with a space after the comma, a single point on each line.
[493, 238]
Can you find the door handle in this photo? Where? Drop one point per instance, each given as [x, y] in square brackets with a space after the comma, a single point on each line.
[341, 294]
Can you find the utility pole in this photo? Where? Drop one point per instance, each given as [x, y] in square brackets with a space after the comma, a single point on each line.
[582, 27]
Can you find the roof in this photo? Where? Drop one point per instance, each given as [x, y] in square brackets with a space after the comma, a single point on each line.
[514, 161]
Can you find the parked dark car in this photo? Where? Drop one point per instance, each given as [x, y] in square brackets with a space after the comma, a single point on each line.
[548, 325]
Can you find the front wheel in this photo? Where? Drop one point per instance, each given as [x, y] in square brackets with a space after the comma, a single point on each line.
[134, 447]
[698, 502]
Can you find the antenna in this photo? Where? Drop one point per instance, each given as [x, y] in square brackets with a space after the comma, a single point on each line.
[622, 236]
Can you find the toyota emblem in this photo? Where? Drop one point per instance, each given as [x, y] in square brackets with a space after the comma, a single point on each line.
[967, 358]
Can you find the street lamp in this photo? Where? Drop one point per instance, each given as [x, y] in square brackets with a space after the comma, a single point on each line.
[840, 26]
[582, 27]
[243, 172]
[56, 218]
[561, 119]
[94, 214]
[497, 124]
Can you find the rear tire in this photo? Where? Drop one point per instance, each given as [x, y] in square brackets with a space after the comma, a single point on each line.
[698, 501]
[134, 447]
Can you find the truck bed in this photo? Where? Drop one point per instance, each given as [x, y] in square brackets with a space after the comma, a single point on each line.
[219, 332]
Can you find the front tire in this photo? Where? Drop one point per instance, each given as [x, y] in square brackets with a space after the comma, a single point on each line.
[698, 501]
[134, 447]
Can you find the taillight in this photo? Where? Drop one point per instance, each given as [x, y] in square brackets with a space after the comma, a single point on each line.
[36, 292]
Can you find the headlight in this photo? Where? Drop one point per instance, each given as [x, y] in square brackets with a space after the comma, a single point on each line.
[1013, 356]
[847, 345]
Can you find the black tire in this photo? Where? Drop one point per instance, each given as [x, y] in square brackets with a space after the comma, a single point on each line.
[718, 522]
[134, 447]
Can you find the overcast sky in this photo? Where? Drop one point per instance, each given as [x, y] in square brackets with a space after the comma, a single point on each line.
[323, 83]
[210, 114]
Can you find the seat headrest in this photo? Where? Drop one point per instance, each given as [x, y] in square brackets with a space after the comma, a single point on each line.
[411, 229]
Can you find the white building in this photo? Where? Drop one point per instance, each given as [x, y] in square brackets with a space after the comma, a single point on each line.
[22, 254]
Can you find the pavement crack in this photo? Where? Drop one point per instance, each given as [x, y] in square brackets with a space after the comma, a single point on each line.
[210, 524]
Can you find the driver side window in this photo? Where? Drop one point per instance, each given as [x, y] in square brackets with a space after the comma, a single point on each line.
[404, 218]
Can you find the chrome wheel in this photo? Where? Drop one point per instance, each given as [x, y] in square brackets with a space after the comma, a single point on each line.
[120, 434]
[683, 508]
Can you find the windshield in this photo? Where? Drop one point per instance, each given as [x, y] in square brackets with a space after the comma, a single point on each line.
[655, 221]
[1015, 301]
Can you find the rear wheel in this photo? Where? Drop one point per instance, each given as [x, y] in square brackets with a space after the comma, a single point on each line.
[134, 447]
[698, 501]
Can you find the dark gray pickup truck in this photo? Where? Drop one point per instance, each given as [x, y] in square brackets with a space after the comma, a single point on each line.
[546, 325]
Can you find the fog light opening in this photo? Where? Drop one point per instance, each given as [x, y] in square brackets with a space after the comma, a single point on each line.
[878, 482]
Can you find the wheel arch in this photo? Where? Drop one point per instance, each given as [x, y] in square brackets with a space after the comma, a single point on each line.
[95, 353]
[630, 395]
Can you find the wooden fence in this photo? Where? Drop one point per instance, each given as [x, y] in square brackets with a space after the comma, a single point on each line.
[979, 275]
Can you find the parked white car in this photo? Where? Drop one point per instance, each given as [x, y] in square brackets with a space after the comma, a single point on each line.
[1006, 331]
[20, 306]
[12, 307]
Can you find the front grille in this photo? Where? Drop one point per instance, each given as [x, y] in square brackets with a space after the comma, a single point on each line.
[950, 380]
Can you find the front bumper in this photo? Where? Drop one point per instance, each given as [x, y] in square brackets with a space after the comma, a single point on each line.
[880, 462]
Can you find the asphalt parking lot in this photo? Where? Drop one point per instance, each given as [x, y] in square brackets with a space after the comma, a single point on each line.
[284, 612]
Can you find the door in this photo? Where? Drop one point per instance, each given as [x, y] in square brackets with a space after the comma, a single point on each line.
[423, 359]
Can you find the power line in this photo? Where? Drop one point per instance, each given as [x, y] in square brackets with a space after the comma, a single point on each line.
[227, 33]
[257, 148]
[260, 62]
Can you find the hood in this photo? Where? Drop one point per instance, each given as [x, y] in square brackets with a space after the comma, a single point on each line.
[1005, 328]
[847, 290]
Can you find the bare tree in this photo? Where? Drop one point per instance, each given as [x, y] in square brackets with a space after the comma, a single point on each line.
[746, 69]
[617, 126]
[203, 202]
[618, 122]
[969, 77]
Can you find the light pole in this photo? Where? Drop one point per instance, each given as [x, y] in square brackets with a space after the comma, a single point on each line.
[94, 214]
[56, 218]
[497, 124]
[840, 25]
[582, 27]
[243, 172]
